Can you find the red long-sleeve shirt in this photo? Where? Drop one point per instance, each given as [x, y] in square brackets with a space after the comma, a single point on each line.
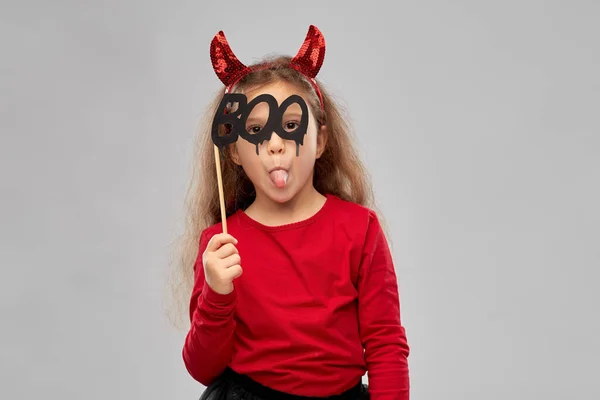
[316, 306]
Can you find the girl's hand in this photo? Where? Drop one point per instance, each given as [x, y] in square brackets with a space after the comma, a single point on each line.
[221, 261]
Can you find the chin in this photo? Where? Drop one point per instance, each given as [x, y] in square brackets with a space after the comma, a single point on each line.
[281, 196]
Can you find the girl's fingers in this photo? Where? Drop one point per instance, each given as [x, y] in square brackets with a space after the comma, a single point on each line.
[226, 250]
[219, 240]
[230, 261]
[233, 272]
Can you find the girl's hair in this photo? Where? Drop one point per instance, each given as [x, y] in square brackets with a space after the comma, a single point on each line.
[339, 171]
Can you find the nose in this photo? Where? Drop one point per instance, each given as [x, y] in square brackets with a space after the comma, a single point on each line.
[275, 145]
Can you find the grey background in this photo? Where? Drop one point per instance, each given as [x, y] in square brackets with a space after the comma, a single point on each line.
[478, 120]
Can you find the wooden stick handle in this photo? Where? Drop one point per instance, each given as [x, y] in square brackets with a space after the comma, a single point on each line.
[221, 196]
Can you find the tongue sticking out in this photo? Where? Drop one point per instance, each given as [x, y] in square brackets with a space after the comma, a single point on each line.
[279, 177]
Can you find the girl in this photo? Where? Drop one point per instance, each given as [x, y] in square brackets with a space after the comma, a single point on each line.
[299, 298]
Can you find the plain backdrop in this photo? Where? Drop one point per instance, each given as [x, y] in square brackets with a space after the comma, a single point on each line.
[479, 122]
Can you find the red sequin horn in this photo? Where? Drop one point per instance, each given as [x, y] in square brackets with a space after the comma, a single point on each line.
[308, 61]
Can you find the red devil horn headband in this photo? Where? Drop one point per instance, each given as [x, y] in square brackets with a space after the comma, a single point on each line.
[308, 61]
[226, 65]
[310, 57]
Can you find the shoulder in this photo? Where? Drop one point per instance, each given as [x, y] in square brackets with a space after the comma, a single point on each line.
[351, 211]
[356, 224]
[233, 224]
[209, 232]
[359, 217]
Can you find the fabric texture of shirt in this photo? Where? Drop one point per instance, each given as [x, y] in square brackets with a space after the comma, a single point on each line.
[316, 307]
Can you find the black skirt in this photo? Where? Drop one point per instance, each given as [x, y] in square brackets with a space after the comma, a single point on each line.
[233, 386]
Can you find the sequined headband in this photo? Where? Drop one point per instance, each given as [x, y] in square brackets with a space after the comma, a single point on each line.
[308, 61]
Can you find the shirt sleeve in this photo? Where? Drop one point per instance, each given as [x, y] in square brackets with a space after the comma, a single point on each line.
[382, 335]
[208, 346]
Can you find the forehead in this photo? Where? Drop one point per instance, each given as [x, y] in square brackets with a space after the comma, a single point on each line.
[279, 90]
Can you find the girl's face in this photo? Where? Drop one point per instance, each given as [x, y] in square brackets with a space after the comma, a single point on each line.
[276, 172]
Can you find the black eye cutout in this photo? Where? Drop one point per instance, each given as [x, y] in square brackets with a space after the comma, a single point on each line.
[256, 133]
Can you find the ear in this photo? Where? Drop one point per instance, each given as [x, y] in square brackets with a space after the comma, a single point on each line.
[321, 140]
[232, 148]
